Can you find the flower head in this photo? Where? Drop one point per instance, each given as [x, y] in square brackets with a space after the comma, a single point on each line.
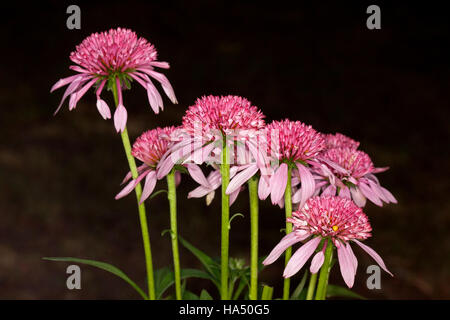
[291, 144]
[294, 140]
[225, 114]
[320, 219]
[352, 171]
[114, 58]
[339, 140]
[150, 148]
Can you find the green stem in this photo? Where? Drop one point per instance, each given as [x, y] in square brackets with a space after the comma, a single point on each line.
[225, 172]
[288, 210]
[141, 207]
[253, 193]
[312, 286]
[325, 272]
[172, 196]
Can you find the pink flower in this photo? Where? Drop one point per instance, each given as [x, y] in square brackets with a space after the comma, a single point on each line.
[150, 148]
[116, 57]
[324, 218]
[205, 126]
[291, 144]
[339, 140]
[350, 174]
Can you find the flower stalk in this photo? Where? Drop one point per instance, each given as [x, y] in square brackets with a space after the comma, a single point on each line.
[253, 194]
[325, 272]
[225, 173]
[288, 211]
[141, 207]
[172, 196]
[311, 286]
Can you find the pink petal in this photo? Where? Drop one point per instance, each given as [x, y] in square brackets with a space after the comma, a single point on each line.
[358, 197]
[308, 183]
[241, 178]
[165, 84]
[287, 241]
[140, 170]
[197, 174]
[263, 187]
[160, 64]
[70, 89]
[130, 186]
[388, 195]
[278, 183]
[177, 178]
[329, 191]
[344, 193]
[300, 257]
[369, 194]
[346, 265]
[317, 262]
[103, 109]
[120, 118]
[374, 255]
[62, 82]
[149, 186]
[199, 192]
[234, 195]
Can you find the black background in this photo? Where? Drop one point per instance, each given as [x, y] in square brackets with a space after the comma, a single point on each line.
[317, 63]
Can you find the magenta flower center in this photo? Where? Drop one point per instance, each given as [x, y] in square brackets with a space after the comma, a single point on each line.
[227, 115]
[293, 140]
[152, 145]
[114, 51]
[335, 217]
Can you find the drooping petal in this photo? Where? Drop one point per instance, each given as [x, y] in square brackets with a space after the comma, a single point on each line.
[177, 178]
[199, 192]
[241, 178]
[120, 118]
[358, 197]
[346, 265]
[317, 262]
[263, 187]
[388, 195]
[62, 82]
[278, 183]
[369, 194]
[287, 241]
[300, 257]
[234, 195]
[308, 183]
[197, 174]
[149, 186]
[167, 87]
[329, 191]
[374, 255]
[131, 185]
[344, 193]
[103, 109]
[140, 170]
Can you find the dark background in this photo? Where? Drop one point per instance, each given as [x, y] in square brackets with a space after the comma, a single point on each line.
[316, 63]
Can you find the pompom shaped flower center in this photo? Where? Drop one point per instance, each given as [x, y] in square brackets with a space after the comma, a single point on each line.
[152, 145]
[114, 51]
[358, 163]
[335, 217]
[225, 114]
[293, 140]
[339, 140]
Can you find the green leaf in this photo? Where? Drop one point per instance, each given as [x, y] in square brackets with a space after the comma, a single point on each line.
[187, 295]
[338, 291]
[104, 266]
[296, 294]
[267, 293]
[204, 295]
[164, 278]
[210, 265]
[154, 194]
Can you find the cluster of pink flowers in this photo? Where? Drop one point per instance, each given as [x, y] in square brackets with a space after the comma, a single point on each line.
[329, 176]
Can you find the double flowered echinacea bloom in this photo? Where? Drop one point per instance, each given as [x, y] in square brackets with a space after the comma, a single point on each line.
[114, 59]
[325, 175]
[322, 218]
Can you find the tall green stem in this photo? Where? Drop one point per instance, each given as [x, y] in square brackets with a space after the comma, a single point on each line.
[288, 210]
[225, 172]
[325, 272]
[141, 207]
[172, 196]
[312, 286]
[253, 194]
